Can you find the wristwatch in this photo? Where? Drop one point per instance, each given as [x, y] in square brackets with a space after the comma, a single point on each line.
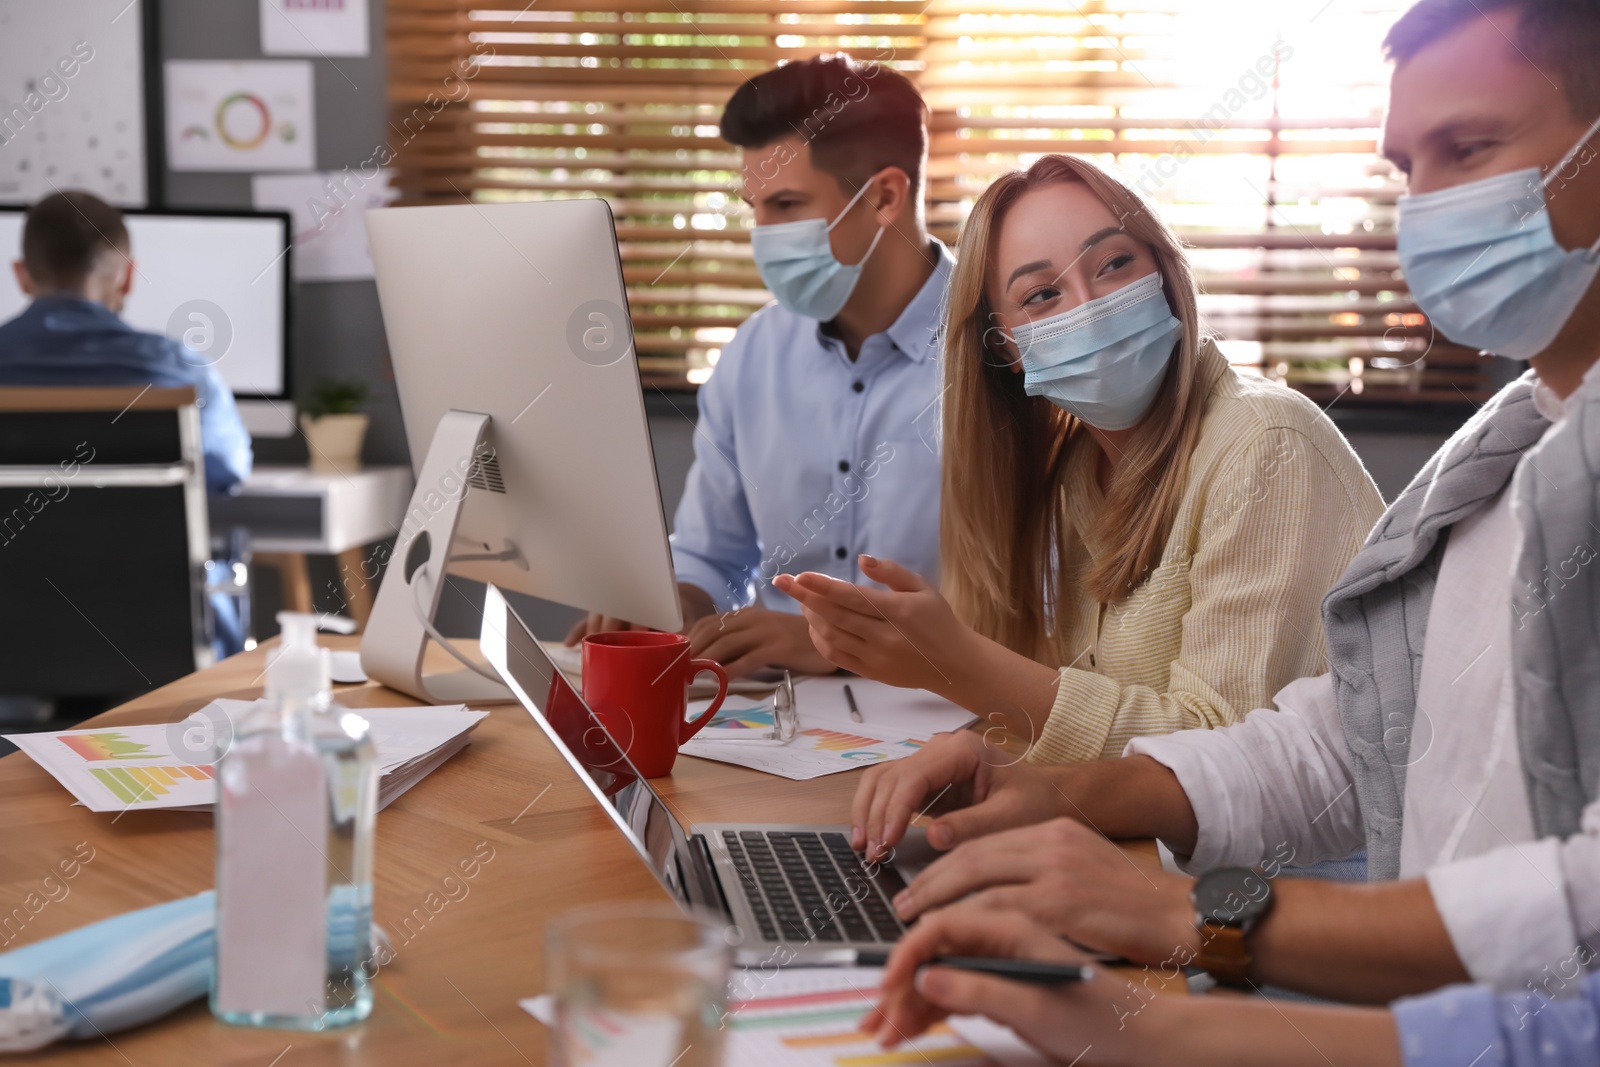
[1228, 903]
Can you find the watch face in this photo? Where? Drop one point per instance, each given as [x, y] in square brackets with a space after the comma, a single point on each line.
[1232, 896]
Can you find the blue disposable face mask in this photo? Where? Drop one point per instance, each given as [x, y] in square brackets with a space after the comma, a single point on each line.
[125, 970]
[1481, 262]
[798, 265]
[1102, 361]
[108, 975]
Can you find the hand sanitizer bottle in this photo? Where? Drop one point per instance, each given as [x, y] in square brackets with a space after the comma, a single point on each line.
[296, 805]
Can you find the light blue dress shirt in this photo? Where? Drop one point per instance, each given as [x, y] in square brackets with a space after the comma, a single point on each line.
[61, 340]
[1473, 1026]
[804, 460]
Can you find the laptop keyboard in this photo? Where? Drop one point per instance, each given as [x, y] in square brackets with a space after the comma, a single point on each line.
[806, 887]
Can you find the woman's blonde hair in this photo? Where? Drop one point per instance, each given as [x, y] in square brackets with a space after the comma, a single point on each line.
[1003, 528]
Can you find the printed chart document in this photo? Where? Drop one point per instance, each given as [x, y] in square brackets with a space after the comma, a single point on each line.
[806, 1017]
[171, 765]
[895, 723]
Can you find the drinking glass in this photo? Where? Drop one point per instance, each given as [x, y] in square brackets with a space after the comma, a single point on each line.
[637, 984]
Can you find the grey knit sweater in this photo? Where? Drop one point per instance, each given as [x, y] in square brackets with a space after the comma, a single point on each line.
[1376, 614]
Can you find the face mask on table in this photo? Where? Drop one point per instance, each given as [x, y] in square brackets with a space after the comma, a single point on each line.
[1482, 263]
[1102, 361]
[123, 971]
[798, 265]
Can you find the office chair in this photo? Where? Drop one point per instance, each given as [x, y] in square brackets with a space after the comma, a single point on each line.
[103, 540]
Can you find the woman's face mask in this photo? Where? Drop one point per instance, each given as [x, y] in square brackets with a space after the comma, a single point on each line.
[1079, 305]
[1102, 361]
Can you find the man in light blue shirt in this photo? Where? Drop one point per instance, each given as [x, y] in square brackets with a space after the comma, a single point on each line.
[818, 433]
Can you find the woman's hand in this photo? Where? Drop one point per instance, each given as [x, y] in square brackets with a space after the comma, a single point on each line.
[905, 635]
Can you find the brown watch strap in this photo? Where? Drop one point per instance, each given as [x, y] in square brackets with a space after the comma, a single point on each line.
[1224, 954]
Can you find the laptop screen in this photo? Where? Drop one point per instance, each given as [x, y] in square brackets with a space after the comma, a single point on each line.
[581, 739]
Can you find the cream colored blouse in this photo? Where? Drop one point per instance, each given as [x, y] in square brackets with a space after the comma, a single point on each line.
[1276, 505]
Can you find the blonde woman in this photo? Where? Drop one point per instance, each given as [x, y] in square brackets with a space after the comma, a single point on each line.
[1134, 538]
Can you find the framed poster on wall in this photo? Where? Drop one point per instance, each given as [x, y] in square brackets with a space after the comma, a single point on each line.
[252, 115]
[77, 92]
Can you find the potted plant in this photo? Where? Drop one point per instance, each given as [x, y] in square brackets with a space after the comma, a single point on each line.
[334, 424]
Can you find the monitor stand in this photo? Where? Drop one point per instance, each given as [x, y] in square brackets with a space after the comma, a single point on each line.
[401, 623]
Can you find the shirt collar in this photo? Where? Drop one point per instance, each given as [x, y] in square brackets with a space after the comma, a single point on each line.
[56, 303]
[1555, 408]
[916, 332]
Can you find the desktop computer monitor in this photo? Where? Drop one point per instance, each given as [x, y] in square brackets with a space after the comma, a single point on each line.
[216, 279]
[513, 354]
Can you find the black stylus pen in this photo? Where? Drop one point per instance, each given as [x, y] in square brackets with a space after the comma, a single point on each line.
[1034, 972]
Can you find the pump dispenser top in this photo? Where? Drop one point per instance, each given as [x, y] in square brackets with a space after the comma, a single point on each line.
[298, 675]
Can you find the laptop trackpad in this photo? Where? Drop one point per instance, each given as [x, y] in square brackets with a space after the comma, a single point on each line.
[913, 853]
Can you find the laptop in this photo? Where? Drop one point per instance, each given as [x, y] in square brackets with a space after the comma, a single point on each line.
[796, 894]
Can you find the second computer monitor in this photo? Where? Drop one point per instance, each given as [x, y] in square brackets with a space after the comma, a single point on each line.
[518, 312]
[216, 280]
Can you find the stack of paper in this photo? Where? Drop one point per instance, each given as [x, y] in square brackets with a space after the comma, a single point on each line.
[171, 766]
[894, 724]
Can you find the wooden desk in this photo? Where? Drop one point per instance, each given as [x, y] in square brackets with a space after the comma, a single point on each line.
[466, 950]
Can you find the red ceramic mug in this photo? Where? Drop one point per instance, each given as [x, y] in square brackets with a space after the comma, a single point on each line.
[636, 682]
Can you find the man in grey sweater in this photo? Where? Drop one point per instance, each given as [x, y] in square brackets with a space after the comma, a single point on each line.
[1457, 735]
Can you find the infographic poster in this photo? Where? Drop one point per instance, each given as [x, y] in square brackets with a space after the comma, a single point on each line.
[240, 116]
[71, 100]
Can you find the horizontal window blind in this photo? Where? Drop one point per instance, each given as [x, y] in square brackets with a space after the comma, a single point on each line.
[1252, 125]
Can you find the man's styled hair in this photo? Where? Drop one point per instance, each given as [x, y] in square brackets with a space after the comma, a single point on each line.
[65, 236]
[857, 117]
[1560, 37]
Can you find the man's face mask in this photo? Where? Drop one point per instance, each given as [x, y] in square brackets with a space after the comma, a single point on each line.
[797, 263]
[1481, 261]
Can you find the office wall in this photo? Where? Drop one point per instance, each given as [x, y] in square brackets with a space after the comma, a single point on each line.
[338, 331]
[338, 326]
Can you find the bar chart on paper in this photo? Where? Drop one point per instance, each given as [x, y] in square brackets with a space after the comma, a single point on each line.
[145, 767]
[814, 752]
[800, 1027]
[806, 1017]
[170, 765]
[106, 746]
[185, 783]
[893, 724]
[855, 747]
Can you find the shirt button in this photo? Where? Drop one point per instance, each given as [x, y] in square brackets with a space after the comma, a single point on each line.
[844, 466]
[840, 552]
[858, 386]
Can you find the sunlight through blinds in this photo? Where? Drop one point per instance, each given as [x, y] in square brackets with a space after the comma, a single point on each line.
[1251, 124]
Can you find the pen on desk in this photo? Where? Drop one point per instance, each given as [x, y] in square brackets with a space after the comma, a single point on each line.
[1033, 972]
[850, 699]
